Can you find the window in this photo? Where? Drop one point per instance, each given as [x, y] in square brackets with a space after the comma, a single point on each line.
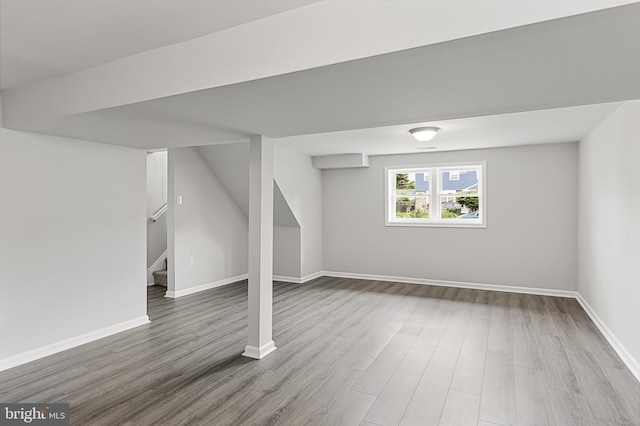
[439, 195]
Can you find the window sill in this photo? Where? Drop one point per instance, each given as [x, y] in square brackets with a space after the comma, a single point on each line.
[437, 224]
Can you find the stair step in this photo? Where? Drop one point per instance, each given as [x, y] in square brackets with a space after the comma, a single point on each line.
[160, 277]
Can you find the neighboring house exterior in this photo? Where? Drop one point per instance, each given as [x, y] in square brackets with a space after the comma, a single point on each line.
[453, 182]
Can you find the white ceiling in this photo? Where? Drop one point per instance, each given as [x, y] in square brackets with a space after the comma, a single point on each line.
[525, 128]
[40, 39]
[562, 63]
[546, 82]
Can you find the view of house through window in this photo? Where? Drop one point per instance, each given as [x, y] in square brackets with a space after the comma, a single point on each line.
[440, 195]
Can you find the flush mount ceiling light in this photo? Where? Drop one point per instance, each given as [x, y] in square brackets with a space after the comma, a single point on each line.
[424, 134]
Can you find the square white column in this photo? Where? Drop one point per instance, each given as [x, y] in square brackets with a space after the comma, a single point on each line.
[260, 342]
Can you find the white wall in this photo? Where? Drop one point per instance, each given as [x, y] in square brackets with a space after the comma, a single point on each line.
[608, 225]
[157, 169]
[530, 240]
[72, 239]
[286, 252]
[230, 163]
[286, 239]
[208, 226]
[302, 188]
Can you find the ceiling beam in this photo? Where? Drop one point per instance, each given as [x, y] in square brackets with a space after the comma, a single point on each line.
[317, 35]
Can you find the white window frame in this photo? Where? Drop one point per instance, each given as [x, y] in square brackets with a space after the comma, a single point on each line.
[435, 172]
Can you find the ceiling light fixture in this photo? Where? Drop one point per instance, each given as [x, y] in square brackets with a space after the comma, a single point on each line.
[424, 134]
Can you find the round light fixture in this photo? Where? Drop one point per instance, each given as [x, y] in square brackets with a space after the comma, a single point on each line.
[424, 134]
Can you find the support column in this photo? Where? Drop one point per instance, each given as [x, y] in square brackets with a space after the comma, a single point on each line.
[260, 343]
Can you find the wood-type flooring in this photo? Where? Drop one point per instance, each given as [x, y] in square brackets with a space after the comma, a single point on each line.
[350, 352]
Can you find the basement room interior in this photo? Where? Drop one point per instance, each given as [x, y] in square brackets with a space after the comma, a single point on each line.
[319, 212]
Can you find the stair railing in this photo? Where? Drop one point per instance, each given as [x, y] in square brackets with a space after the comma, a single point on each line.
[158, 214]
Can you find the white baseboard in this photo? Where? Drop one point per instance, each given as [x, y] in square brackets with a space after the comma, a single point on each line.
[296, 280]
[154, 267]
[259, 352]
[203, 287]
[458, 284]
[53, 348]
[623, 353]
[226, 281]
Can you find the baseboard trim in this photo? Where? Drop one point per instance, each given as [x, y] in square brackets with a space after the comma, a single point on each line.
[53, 348]
[203, 287]
[457, 284]
[259, 352]
[227, 281]
[296, 280]
[632, 364]
[154, 267]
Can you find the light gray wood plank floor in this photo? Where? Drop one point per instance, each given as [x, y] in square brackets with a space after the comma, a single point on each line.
[350, 352]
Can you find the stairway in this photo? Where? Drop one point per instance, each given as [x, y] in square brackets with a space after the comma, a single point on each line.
[160, 277]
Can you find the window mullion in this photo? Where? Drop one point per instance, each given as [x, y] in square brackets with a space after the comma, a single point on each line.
[434, 193]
